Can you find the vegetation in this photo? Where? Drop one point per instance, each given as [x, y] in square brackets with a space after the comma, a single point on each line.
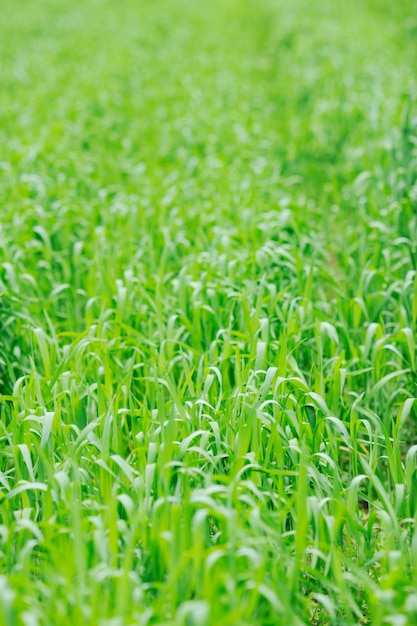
[208, 310]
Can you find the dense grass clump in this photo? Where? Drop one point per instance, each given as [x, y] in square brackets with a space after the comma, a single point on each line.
[208, 248]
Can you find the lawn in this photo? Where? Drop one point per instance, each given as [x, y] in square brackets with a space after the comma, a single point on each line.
[208, 255]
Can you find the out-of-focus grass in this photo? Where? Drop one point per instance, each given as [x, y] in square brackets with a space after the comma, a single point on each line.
[208, 309]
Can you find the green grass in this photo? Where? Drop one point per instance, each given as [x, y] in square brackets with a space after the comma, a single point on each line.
[208, 249]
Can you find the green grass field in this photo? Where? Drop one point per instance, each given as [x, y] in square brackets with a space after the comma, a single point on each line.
[208, 254]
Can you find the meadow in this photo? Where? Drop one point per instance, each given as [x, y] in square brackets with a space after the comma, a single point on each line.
[208, 248]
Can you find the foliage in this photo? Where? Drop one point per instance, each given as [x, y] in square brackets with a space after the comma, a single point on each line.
[209, 303]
